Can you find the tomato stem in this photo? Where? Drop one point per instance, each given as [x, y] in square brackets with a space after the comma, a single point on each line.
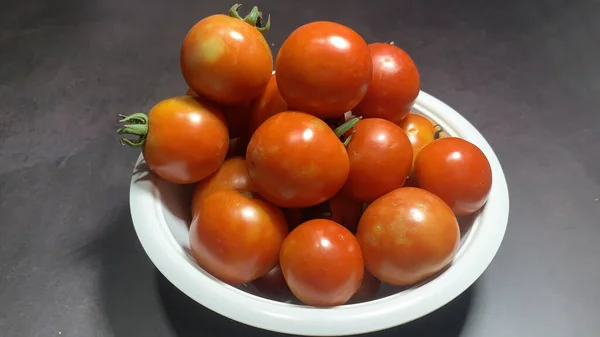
[135, 125]
[347, 141]
[438, 131]
[347, 126]
[254, 18]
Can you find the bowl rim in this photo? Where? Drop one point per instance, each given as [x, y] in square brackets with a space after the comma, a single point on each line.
[176, 265]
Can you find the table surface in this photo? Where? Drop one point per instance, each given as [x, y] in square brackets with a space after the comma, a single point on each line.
[525, 73]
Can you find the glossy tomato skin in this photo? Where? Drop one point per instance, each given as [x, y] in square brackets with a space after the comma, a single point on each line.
[237, 238]
[266, 105]
[380, 159]
[232, 175]
[394, 87]
[226, 60]
[421, 131]
[346, 210]
[187, 139]
[457, 171]
[323, 68]
[407, 235]
[295, 160]
[322, 263]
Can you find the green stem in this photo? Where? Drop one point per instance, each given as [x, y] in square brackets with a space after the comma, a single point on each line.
[347, 141]
[254, 18]
[347, 126]
[438, 131]
[134, 125]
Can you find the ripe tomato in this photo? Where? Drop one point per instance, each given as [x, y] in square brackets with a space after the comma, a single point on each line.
[394, 87]
[322, 263]
[266, 105]
[456, 171]
[184, 139]
[345, 210]
[323, 68]
[295, 160]
[367, 290]
[380, 159]
[226, 59]
[407, 235]
[273, 284]
[236, 237]
[421, 131]
[232, 175]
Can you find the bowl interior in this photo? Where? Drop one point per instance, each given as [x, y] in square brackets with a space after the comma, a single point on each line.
[175, 201]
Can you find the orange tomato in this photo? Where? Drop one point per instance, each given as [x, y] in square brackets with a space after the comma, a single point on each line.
[266, 105]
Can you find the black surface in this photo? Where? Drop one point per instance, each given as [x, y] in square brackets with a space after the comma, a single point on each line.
[525, 73]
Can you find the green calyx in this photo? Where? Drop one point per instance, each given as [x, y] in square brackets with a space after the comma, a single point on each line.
[134, 125]
[344, 128]
[254, 18]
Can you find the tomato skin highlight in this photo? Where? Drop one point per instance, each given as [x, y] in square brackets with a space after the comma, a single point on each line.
[322, 263]
[394, 87]
[323, 68]
[457, 171]
[380, 159]
[407, 235]
[266, 105]
[187, 139]
[295, 160]
[226, 60]
[420, 131]
[232, 175]
[237, 238]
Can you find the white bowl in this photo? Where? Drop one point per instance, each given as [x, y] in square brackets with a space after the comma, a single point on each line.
[160, 213]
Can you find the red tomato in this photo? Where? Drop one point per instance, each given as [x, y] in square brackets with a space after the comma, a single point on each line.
[368, 289]
[237, 118]
[323, 68]
[266, 105]
[236, 237]
[421, 131]
[322, 263]
[273, 284]
[345, 210]
[380, 159]
[295, 160]
[184, 138]
[226, 59]
[456, 171]
[407, 235]
[232, 175]
[394, 87]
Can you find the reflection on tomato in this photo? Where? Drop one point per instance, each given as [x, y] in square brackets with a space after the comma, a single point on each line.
[226, 59]
[421, 131]
[323, 68]
[295, 160]
[457, 171]
[394, 87]
[380, 159]
[322, 263]
[232, 175]
[266, 105]
[367, 290]
[236, 237]
[273, 285]
[407, 235]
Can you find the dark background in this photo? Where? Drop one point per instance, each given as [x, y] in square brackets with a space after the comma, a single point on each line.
[525, 73]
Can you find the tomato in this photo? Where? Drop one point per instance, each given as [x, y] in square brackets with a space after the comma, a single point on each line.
[407, 235]
[184, 139]
[457, 171]
[232, 175]
[367, 290]
[236, 237]
[323, 68]
[295, 160]
[266, 105]
[322, 263]
[273, 284]
[226, 59]
[380, 159]
[421, 131]
[340, 208]
[394, 87]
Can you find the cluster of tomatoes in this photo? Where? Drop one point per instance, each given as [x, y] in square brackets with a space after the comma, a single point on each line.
[302, 174]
